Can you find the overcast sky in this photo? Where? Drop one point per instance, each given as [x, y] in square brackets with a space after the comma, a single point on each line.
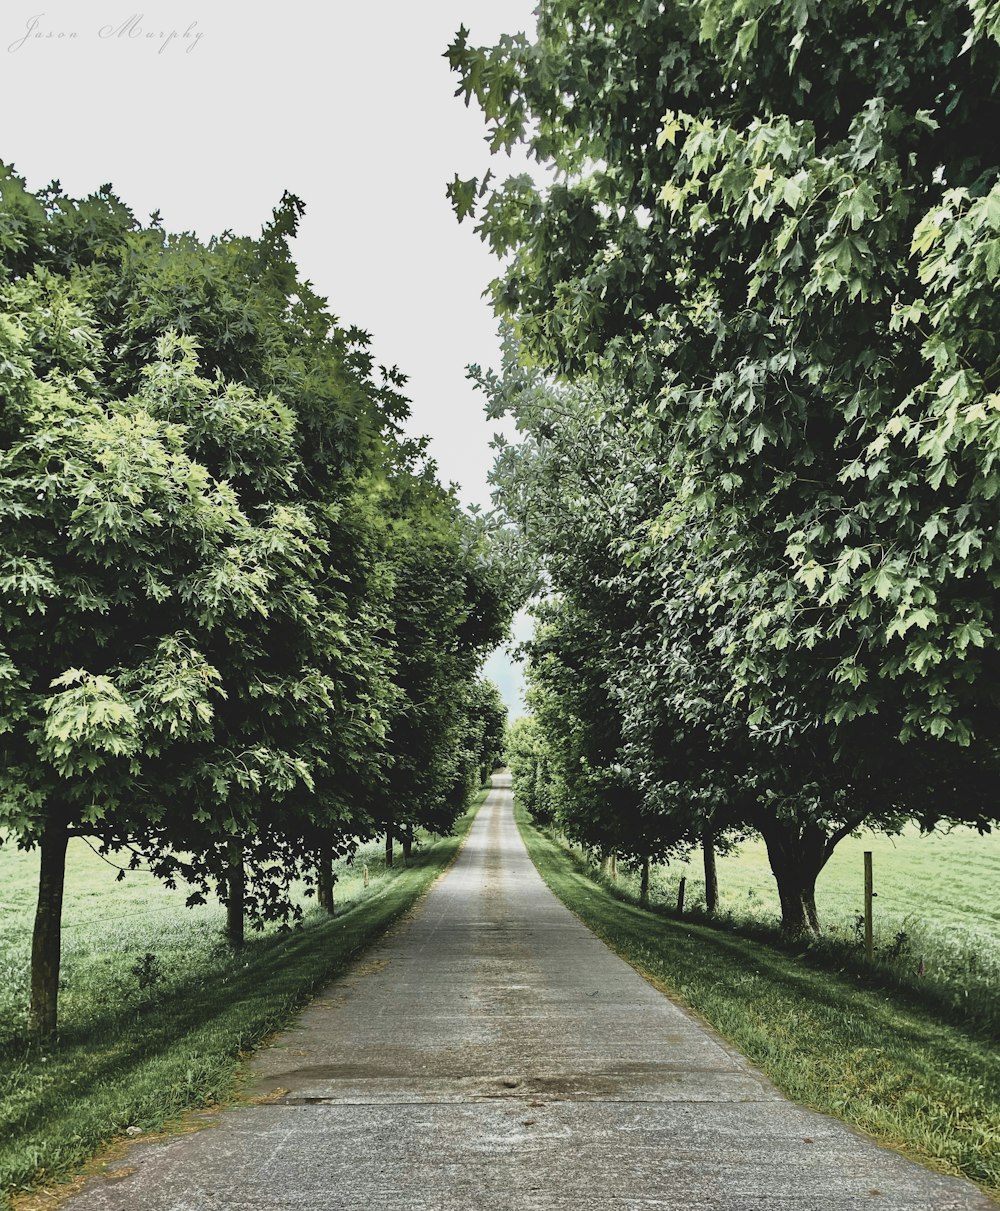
[207, 110]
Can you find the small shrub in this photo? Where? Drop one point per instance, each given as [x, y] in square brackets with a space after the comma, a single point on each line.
[898, 948]
[148, 971]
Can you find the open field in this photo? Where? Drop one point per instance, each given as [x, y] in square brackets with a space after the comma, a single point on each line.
[946, 882]
[142, 1040]
[913, 1070]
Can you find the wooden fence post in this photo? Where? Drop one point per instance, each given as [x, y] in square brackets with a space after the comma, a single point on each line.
[680, 896]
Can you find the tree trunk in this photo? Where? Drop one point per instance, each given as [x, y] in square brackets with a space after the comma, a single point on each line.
[388, 847]
[46, 943]
[613, 867]
[644, 885]
[809, 904]
[711, 874]
[796, 855]
[324, 879]
[407, 840]
[236, 885]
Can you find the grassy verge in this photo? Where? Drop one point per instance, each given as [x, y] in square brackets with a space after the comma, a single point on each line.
[131, 1053]
[937, 914]
[831, 1039]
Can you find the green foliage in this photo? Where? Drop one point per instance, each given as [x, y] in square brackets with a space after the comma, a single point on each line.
[241, 615]
[451, 608]
[527, 755]
[486, 717]
[116, 549]
[753, 353]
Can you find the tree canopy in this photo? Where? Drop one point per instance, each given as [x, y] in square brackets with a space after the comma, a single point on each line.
[759, 290]
[242, 621]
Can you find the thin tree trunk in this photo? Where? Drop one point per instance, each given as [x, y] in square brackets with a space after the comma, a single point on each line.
[644, 884]
[324, 879]
[46, 942]
[711, 874]
[613, 867]
[236, 885]
[407, 840]
[388, 847]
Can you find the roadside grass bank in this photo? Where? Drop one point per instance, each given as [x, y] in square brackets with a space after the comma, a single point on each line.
[937, 917]
[142, 1040]
[936, 912]
[832, 1037]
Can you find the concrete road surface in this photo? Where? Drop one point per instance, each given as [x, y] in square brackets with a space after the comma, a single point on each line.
[490, 1052]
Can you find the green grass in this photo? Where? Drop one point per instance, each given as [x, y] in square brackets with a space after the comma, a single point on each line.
[829, 1033]
[940, 882]
[133, 1056]
[937, 913]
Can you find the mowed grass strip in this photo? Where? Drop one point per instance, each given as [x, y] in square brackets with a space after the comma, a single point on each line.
[827, 1038]
[136, 1050]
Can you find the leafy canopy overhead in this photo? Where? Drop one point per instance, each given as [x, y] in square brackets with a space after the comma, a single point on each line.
[754, 362]
[776, 226]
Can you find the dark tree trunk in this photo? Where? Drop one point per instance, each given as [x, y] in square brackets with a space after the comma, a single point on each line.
[796, 855]
[809, 904]
[388, 847]
[46, 942]
[644, 884]
[711, 874]
[407, 840]
[324, 879]
[236, 886]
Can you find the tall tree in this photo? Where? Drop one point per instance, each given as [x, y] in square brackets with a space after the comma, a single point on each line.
[452, 605]
[755, 217]
[115, 547]
[201, 479]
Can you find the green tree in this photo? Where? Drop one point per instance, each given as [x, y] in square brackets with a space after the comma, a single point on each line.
[527, 755]
[115, 548]
[225, 576]
[452, 605]
[304, 435]
[487, 729]
[757, 218]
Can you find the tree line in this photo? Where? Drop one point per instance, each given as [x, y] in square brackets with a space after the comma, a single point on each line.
[753, 355]
[242, 621]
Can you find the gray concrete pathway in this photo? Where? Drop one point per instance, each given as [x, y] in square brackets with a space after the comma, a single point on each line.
[491, 1052]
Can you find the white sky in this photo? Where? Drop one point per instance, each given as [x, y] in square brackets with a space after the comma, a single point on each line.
[348, 105]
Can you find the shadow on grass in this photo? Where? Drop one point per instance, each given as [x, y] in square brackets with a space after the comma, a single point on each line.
[901, 1069]
[63, 1099]
[978, 1016]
